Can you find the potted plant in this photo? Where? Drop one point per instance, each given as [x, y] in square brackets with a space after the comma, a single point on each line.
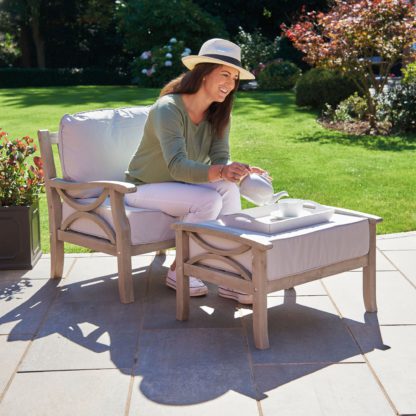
[21, 181]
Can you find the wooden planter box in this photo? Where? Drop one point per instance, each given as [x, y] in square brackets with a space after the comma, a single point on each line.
[19, 237]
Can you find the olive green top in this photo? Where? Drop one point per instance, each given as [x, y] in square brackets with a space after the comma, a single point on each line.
[173, 148]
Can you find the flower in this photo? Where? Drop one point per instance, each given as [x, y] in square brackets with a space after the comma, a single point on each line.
[168, 55]
[168, 63]
[20, 181]
[146, 55]
[172, 40]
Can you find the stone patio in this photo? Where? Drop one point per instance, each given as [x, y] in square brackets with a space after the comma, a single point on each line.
[69, 347]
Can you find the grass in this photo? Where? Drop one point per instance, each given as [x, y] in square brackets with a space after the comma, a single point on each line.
[365, 173]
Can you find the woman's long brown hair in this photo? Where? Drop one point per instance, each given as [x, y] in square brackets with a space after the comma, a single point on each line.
[218, 113]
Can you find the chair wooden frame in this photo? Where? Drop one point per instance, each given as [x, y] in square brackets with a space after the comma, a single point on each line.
[118, 241]
[254, 281]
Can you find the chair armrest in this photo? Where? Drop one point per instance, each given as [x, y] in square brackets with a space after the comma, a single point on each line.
[71, 186]
[254, 240]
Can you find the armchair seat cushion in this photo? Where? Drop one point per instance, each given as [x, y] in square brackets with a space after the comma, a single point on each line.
[147, 226]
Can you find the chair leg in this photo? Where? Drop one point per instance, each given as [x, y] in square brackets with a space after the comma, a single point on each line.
[57, 258]
[260, 325]
[125, 278]
[369, 274]
[182, 281]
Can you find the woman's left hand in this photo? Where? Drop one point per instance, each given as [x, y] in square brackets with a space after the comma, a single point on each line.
[259, 171]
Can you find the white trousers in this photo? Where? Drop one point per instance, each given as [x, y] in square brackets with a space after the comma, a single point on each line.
[189, 202]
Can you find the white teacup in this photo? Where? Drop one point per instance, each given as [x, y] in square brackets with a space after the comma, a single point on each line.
[290, 207]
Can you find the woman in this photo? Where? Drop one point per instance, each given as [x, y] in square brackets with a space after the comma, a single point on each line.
[182, 163]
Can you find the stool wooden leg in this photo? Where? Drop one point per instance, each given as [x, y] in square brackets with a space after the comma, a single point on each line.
[260, 326]
[182, 281]
[369, 274]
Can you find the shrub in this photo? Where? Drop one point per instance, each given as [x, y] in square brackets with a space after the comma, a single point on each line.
[158, 66]
[256, 49]
[20, 182]
[149, 23]
[398, 106]
[279, 75]
[318, 87]
[352, 108]
[409, 73]
[36, 77]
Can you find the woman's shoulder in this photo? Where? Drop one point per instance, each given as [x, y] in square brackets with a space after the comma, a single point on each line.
[169, 101]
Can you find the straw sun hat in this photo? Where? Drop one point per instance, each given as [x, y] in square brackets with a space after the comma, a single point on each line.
[218, 51]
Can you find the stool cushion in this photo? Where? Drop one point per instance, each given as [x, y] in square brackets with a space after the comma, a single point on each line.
[300, 250]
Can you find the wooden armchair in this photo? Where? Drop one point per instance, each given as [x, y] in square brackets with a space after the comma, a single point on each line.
[86, 207]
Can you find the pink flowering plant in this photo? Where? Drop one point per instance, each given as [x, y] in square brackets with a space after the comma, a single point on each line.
[158, 66]
[21, 180]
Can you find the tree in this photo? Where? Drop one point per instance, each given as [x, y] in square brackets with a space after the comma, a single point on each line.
[356, 37]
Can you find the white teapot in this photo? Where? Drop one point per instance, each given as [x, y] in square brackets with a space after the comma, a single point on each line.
[258, 189]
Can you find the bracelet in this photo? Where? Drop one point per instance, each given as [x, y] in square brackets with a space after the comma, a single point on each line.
[220, 172]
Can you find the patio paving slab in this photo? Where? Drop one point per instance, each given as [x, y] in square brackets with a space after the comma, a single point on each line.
[67, 393]
[405, 261]
[395, 297]
[310, 389]
[306, 329]
[11, 353]
[394, 363]
[397, 242]
[86, 336]
[42, 270]
[23, 305]
[190, 366]
[229, 403]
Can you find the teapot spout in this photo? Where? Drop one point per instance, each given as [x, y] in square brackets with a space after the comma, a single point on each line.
[279, 195]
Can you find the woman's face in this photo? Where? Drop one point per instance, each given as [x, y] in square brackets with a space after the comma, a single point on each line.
[220, 82]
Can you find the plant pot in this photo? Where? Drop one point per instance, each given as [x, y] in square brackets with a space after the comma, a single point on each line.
[19, 237]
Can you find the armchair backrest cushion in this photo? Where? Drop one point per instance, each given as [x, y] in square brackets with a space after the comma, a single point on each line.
[98, 144]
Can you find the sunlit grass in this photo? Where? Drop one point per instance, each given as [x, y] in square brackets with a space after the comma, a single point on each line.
[369, 174]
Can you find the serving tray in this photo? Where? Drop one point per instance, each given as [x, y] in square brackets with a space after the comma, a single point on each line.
[269, 220]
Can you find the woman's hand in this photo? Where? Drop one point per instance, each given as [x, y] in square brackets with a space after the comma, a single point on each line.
[260, 171]
[235, 171]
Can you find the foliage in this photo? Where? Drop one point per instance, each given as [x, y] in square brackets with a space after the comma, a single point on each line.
[354, 37]
[263, 14]
[37, 77]
[9, 50]
[64, 33]
[287, 52]
[352, 108]
[319, 86]
[158, 66]
[150, 23]
[279, 75]
[398, 106]
[256, 49]
[409, 73]
[20, 182]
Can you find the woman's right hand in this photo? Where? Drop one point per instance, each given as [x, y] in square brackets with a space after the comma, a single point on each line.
[235, 171]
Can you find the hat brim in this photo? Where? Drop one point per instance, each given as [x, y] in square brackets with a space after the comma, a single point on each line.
[191, 60]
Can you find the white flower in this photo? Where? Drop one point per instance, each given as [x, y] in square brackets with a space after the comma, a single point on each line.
[187, 50]
[168, 55]
[173, 40]
[144, 71]
[184, 53]
[146, 55]
[168, 63]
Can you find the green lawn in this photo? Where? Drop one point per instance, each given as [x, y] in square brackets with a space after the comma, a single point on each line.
[370, 174]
